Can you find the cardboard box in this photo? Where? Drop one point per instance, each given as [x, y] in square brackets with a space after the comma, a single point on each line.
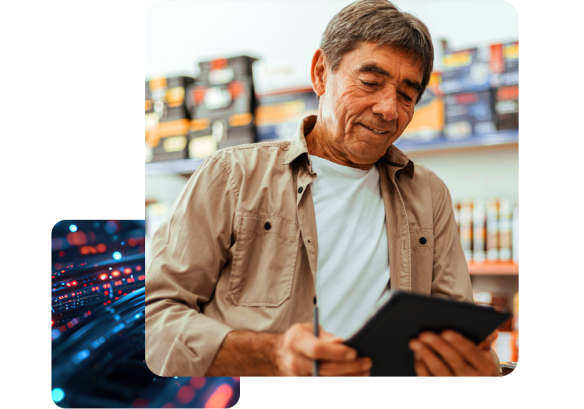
[468, 114]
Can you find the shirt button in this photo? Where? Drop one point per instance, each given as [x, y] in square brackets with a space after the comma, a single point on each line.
[423, 240]
[300, 189]
[267, 226]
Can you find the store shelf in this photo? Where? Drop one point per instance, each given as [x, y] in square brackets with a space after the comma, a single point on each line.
[494, 269]
[508, 137]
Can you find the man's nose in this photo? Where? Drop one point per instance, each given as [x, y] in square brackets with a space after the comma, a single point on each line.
[386, 105]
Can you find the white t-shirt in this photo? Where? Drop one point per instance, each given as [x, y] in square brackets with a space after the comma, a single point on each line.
[353, 259]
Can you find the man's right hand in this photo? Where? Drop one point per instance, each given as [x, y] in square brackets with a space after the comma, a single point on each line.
[294, 351]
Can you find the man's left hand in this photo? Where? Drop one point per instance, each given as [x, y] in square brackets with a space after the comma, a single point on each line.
[451, 354]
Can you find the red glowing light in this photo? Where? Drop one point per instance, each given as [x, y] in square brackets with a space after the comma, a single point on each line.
[119, 292]
[62, 271]
[61, 253]
[198, 382]
[127, 270]
[74, 283]
[168, 405]
[101, 247]
[52, 322]
[104, 303]
[70, 324]
[77, 238]
[141, 278]
[68, 285]
[115, 273]
[220, 397]
[116, 298]
[103, 276]
[185, 395]
[138, 268]
[106, 293]
[109, 301]
[140, 403]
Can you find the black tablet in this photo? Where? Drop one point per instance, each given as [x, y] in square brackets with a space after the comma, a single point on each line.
[401, 316]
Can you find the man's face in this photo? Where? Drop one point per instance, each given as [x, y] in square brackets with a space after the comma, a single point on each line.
[369, 101]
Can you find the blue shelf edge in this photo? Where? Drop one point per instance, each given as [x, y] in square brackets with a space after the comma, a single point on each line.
[498, 138]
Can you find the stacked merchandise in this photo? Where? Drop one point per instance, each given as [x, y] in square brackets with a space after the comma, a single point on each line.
[222, 103]
[482, 92]
[167, 119]
[488, 232]
[279, 113]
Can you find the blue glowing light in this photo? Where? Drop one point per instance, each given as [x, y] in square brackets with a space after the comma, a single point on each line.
[55, 333]
[80, 356]
[118, 328]
[72, 229]
[117, 255]
[111, 227]
[57, 395]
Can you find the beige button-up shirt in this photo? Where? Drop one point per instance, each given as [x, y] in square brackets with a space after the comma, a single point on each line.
[238, 249]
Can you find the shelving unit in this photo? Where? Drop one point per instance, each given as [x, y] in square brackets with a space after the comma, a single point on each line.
[500, 138]
[493, 269]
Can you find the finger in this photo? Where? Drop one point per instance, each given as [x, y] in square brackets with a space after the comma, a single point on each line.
[316, 348]
[486, 344]
[474, 355]
[327, 336]
[335, 368]
[449, 355]
[297, 365]
[420, 366]
[434, 364]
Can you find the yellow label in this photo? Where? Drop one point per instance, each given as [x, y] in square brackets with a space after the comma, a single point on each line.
[174, 143]
[199, 124]
[267, 114]
[202, 147]
[157, 83]
[240, 119]
[175, 96]
[457, 59]
[511, 51]
[148, 105]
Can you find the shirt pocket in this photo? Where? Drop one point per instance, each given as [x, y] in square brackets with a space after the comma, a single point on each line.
[264, 260]
[422, 258]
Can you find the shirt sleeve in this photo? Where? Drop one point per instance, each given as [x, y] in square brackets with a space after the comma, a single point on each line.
[187, 254]
[450, 275]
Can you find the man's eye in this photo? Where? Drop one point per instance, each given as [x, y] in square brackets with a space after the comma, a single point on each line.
[407, 97]
[369, 84]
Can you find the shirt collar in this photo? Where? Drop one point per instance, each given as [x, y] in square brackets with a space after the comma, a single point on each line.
[393, 157]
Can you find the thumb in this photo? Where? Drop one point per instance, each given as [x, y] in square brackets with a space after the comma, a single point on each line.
[486, 344]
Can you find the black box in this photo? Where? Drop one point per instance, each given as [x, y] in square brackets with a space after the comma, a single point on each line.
[222, 104]
[507, 107]
[468, 114]
[165, 96]
[167, 141]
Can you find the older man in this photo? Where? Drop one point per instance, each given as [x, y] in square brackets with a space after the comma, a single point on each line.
[336, 216]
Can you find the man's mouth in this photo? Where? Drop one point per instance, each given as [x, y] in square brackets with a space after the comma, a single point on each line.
[375, 130]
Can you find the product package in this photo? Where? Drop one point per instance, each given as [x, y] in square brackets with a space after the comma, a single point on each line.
[479, 232]
[428, 120]
[468, 114]
[466, 231]
[493, 230]
[504, 64]
[279, 113]
[167, 118]
[507, 107]
[222, 103]
[505, 230]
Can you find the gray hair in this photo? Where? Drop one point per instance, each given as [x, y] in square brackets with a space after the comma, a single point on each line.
[381, 22]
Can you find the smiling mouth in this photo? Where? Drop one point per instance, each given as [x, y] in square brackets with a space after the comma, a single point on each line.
[374, 130]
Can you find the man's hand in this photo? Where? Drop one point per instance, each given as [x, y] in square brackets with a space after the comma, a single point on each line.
[295, 350]
[451, 354]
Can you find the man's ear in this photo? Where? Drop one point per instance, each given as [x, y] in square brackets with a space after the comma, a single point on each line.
[319, 72]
